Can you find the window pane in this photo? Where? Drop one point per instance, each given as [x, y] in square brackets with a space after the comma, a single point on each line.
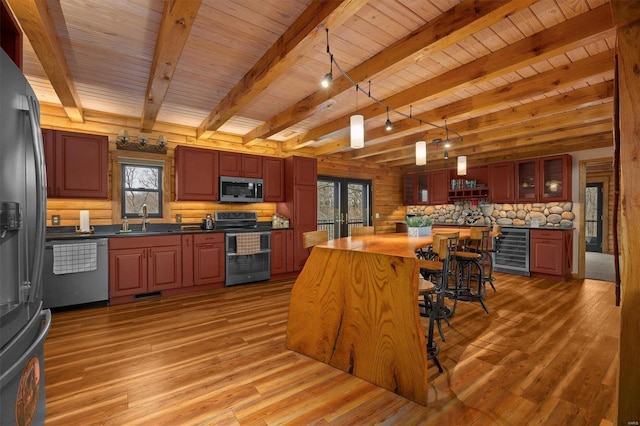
[135, 200]
[139, 177]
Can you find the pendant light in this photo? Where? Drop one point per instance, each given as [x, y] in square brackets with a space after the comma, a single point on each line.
[462, 165]
[357, 127]
[421, 153]
[388, 125]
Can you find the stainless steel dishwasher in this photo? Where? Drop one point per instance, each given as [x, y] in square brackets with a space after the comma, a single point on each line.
[75, 281]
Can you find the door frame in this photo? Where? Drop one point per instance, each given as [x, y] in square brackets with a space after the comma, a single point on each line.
[343, 227]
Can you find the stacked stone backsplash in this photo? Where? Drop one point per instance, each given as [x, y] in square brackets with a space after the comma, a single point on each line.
[549, 215]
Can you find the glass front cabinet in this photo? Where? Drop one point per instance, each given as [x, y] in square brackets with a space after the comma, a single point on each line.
[546, 179]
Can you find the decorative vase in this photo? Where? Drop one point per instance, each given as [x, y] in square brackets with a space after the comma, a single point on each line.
[423, 231]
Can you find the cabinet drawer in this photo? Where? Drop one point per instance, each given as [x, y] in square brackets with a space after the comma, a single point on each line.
[144, 242]
[546, 235]
[208, 238]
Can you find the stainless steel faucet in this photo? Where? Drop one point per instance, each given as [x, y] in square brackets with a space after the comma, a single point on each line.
[144, 218]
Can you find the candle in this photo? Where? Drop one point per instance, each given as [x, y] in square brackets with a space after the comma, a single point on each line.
[84, 221]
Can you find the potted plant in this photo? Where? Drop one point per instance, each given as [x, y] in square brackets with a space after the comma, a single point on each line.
[418, 226]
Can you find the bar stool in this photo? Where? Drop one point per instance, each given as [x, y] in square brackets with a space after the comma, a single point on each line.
[486, 246]
[436, 265]
[426, 288]
[468, 270]
[362, 230]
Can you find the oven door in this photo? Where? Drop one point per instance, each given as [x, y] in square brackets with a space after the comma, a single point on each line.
[247, 268]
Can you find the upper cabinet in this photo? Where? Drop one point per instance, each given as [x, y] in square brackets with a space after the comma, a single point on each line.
[543, 179]
[196, 174]
[77, 164]
[439, 186]
[273, 172]
[501, 182]
[240, 165]
[11, 39]
[416, 189]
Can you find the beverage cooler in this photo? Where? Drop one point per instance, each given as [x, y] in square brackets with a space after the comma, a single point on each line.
[23, 322]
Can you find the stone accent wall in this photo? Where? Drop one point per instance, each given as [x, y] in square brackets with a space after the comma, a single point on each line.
[550, 215]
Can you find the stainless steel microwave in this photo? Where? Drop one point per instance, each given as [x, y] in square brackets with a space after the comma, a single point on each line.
[240, 190]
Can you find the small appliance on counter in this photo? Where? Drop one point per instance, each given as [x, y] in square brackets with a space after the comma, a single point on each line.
[207, 223]
[279, 221]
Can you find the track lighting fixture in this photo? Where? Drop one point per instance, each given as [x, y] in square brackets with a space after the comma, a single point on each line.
[447, 141]
[328, 77]
[388, 125]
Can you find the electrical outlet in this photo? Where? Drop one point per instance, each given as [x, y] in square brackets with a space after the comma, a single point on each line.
[377, 215]
[55, 220]
[178, 218]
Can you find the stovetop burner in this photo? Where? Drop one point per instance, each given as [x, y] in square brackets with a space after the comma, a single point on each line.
[238, 222]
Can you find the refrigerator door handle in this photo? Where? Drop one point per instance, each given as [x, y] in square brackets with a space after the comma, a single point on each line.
[35, 279]
[8, 373]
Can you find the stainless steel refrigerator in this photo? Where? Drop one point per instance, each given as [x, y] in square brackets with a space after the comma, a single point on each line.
[23, 323]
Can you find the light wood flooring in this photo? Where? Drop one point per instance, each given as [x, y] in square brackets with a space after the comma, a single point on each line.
[546, 354]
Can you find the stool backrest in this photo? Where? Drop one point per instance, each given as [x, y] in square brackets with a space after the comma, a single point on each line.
[480, 238]
[362, 230]
[312, 238]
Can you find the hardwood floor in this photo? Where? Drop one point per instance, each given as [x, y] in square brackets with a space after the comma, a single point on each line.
[546, 354]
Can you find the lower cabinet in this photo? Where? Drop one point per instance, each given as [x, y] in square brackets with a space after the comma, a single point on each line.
[208, 259]
[551, 254]
[139, 265]
[281, 251]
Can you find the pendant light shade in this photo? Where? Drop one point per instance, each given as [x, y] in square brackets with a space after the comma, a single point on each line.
[462, 165]
[421, 153]
[357, 131]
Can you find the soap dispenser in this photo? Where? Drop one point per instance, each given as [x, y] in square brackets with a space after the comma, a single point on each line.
[125, 225]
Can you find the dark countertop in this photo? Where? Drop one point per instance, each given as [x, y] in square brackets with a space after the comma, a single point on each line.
[543, 227]
[113, 231]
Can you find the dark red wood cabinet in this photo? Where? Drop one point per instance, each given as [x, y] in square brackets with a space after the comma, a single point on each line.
[542, 180]
[502, 182]
[551, 253]
[281, 247]
[439, 184]
[240, 165]
[77, 164]
[10, 35]
[139, 265]
[196, 174]
[273, 174]
[208, 259]
[300, 205]
[416, 189]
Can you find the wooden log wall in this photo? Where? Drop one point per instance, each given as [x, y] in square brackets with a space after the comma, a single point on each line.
[386, 183]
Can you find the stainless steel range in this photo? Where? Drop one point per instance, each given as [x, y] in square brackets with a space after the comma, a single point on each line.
[247, 247]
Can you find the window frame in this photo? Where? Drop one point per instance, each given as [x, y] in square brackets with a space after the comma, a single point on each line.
[129, 162]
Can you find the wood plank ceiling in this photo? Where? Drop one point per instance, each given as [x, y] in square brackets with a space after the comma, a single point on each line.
[512, 79]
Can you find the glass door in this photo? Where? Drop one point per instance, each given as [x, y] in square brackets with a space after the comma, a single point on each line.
[342, 204]
[593, 217]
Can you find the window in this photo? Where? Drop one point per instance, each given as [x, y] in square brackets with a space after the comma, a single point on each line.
[141, 184]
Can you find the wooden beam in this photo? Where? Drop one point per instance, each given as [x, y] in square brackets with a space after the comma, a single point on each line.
[280, 57]
[177, 20]
[37, 24]
[452, 26]
[577, 32]
[627, 17]
[537, 85]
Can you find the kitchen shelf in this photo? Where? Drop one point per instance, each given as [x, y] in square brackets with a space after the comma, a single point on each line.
[468, 193]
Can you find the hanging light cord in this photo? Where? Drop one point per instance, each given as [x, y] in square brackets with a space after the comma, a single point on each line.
[378, 101]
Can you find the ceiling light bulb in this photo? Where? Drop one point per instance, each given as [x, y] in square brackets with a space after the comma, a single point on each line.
[326, 80]
[446, 155]
[447, 143]
[388, 125]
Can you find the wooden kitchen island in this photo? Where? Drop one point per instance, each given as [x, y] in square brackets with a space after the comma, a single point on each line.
[354, 306]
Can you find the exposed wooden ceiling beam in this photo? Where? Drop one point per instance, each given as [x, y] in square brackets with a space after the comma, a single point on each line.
[579, 31]
[278, 59]
[570, 101]
[177, 20]
[37, 24]
[537, 85]
[452, 26]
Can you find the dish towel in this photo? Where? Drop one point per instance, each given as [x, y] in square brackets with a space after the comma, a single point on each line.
[247, 244]
[72, 258]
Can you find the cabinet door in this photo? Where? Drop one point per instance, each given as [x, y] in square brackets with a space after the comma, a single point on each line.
[196, 174]
[305, 171]
[527, 181]
[127, 272]
[230, 163]
[48, 139]
[252, 166]
[81, 165]
[501, 182]
[278, 251]
[273, 169]
[208, 263]
[439, 187]
[555, 178]
[187, 260]
[165, 268]
[546, 255]
[409, 189]
[305, 213]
